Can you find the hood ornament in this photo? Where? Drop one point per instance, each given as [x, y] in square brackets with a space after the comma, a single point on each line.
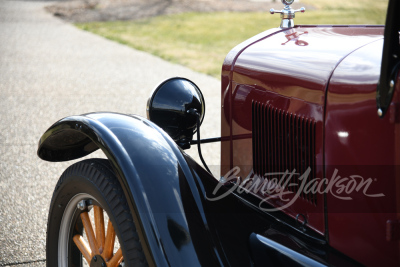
[287, 14]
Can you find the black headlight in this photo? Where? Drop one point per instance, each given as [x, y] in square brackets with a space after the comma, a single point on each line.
[171, 106]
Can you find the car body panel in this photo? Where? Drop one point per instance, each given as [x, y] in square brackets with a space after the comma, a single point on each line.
[164, 195]
[289, 70]
[360, 144]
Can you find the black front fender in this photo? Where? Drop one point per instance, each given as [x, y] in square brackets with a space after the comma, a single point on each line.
[165, 195]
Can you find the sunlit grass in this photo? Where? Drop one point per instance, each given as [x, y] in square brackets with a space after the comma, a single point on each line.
[345, 12]
[200, 41]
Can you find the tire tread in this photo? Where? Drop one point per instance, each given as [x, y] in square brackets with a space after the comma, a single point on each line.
[100, 173]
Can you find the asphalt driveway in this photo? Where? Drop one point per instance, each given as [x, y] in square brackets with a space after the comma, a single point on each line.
[49, 70]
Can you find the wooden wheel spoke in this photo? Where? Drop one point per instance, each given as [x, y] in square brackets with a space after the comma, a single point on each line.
[99, 223]
[116, 259]
[83, 247]
[100, 242]
[87, 224]
[109, 242]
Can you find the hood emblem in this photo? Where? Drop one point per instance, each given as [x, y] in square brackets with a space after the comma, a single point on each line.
[293, 35]
[287, 14]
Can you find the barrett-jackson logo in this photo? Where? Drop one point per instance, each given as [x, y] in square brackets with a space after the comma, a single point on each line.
[273, 185]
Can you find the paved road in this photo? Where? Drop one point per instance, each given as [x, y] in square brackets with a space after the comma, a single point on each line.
[49, 70]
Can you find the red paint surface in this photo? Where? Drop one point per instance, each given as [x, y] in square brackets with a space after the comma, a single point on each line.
[357, 227]
[328, 74]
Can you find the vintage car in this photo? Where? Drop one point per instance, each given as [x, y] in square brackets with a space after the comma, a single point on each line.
[310, 155]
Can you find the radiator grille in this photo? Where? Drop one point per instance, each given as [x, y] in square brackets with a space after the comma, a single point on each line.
[283, 141]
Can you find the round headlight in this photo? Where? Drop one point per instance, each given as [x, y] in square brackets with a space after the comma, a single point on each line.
[169, 107]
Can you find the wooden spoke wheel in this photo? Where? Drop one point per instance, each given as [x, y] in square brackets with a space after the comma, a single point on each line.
[87, 214]
[98, 246]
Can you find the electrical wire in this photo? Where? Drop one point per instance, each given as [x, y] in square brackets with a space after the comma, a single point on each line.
[198, 144]
[196, 113]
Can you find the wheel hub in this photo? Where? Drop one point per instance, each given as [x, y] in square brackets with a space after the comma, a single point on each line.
[98, 261]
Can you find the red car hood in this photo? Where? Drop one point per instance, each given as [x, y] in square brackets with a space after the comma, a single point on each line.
[299, 62]
[287, 70]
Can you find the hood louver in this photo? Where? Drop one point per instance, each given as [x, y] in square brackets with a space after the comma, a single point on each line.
[283, 141]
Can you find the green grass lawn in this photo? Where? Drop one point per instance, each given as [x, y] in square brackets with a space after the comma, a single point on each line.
[200, 41]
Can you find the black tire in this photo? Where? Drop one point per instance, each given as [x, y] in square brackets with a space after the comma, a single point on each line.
[94, 183]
